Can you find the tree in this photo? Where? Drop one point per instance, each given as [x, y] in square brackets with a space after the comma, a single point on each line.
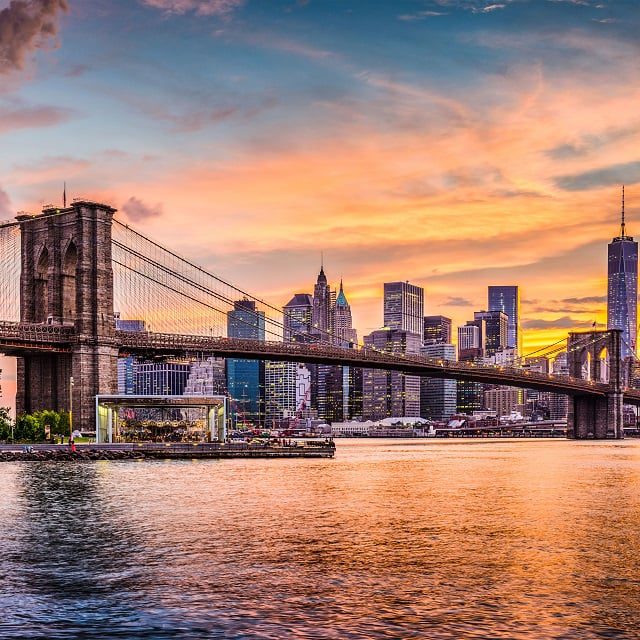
[29, 429]
[57, 422]
[5, 424]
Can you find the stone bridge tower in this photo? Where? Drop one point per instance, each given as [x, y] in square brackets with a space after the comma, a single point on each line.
[67, 280]
[596, 356]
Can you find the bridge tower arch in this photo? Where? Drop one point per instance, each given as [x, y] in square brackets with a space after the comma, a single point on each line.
[67, 279]
[596, 356]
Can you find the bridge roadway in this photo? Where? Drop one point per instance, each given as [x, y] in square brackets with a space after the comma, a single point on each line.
[19, 338]
[183, 346]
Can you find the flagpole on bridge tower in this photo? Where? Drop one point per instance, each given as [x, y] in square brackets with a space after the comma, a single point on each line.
[70, 409]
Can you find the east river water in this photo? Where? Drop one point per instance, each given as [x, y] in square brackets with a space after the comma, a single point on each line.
[391, 539]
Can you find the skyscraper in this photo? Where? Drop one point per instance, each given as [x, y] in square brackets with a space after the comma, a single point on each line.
[322, 307]
[437, 330]
[281, 392]
[471, 340]
[343, 323]
[297, 318]
[496, 326]
[622, 292]
[404, 307]
[387, 394]
[438, 395]
[345, 401]
[507, 300]
[245, 378]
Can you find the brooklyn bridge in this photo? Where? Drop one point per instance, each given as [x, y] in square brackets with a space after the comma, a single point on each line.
[66, 273]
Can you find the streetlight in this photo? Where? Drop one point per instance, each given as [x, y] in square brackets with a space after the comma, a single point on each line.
[70, 409]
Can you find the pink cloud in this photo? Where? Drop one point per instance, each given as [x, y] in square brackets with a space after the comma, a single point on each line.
[26, 25]
[15, 115]
[200, 7]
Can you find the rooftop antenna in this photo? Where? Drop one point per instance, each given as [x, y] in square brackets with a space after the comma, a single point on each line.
[64, 195]
[622, 225]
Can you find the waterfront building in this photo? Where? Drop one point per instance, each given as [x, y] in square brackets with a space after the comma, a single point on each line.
[438, 395]
[126, 366]
[437, 330]
[404, 307]
[504, 400]
[160, 378]
[559, 403]
[507, 299]
[280, 385]
[469, 396]
[126, 375]
[536, 401]
[501, 358]
[245, 378]
[206, 378]
[495, 325]
[622, 290]
[352, 381]
[390, 393]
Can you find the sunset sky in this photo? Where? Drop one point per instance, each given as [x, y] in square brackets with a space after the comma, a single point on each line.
[452, 143]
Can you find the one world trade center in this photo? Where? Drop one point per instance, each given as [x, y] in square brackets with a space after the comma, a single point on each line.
[622, 294]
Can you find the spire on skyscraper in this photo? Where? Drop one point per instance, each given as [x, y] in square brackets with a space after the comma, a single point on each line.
[322, 279]
[341, 300]
[622, 224]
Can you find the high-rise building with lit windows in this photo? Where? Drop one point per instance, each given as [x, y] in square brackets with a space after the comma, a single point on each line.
[507, 300]
[622, 291]
[245, 378]
[404, 307]
[437, 330]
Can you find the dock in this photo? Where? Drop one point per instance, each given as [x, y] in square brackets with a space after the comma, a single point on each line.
[172, 451]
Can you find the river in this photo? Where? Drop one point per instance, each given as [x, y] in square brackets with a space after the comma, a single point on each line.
[391, 539]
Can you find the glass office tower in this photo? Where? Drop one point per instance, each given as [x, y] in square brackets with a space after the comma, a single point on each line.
[507, 300]
[622, 292]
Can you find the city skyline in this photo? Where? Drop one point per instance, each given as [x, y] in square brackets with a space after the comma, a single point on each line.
[453, 156]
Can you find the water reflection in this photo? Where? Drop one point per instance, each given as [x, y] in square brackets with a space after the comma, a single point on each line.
[389, 540]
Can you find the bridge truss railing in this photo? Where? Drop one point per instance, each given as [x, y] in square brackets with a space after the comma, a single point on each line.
[363, 356]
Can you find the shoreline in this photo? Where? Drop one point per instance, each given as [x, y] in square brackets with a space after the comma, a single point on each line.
[214, 451]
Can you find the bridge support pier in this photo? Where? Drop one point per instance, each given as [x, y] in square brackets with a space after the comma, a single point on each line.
[595, 418]
[67, 280]
[43, 382]
[595, 356]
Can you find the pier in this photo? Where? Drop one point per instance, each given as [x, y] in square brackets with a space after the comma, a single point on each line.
[174, 451]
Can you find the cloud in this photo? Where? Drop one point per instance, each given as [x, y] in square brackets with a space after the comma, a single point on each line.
[26, 25]
[187, 117]
[420, 15]
[475, 6]
[624, 173]
[457, 301]
[17, 115]
[564, 322]
[5, 204]
[76, 70]
[590, 143]
[586, 300]
[199, 7]
[137, 210]
[489, 8]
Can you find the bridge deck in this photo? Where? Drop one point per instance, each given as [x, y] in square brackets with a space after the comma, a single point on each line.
[17, 338]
